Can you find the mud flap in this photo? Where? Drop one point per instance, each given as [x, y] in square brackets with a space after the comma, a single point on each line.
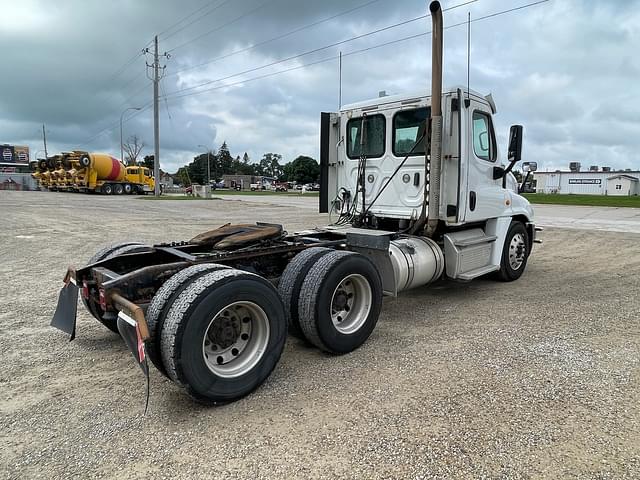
[130, 333]
[64, 317]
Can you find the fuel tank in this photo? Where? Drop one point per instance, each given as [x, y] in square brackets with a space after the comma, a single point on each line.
[416, 261]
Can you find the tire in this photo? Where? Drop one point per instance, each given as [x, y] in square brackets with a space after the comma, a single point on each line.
[515, 253]
[291, 282]
[128, 189]
[156, 313]
[84, 161]
[103, 254]
[107, 189]
[118, 189]
[344, 280]
[189, 334]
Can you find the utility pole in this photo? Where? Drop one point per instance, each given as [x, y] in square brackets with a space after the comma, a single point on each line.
[44, 138]
[157, 75]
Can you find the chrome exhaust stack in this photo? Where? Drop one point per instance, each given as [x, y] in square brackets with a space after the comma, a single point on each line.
[435, 163]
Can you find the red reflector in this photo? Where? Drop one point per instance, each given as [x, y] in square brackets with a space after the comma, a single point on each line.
[103, 300]
[85, 290]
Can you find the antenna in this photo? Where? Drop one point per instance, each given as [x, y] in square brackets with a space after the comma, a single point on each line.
[467, 101]
[340, 82]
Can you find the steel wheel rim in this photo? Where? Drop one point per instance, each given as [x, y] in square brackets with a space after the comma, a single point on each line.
[235, 339]
[517, 251]
[351, 303]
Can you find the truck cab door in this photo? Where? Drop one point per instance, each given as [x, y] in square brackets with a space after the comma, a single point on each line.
[485, 197]
[329, 137]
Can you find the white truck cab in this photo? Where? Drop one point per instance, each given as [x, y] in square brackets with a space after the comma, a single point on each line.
[378, 174]
[392, 125]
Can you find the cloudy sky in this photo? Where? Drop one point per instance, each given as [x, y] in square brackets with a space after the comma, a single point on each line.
[567, 70]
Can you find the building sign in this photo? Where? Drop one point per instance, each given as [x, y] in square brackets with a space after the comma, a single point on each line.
[585, 181]
[14, 154]
[7, 154]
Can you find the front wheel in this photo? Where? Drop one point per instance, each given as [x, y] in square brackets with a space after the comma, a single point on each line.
[515, 253]
[223, 335]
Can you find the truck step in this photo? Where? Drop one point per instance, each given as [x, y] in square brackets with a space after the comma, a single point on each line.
[467, 242]
[478, 272]
[468, 253]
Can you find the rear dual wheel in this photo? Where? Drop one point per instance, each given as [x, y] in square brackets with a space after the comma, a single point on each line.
[163, 299]
[222, 334]
[332, 298]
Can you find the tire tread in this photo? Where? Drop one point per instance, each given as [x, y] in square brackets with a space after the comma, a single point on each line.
[291, 282]
[309, 296]
[157, 310]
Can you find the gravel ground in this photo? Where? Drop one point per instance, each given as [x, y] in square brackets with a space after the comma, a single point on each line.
[533, 379]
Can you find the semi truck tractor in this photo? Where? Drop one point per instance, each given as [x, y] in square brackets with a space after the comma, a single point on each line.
[94, 172]
[417, 191]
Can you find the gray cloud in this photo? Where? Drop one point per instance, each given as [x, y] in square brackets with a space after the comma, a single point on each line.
[564, 69]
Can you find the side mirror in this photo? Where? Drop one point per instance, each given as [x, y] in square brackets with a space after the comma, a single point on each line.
[514, 153]
[529, 167]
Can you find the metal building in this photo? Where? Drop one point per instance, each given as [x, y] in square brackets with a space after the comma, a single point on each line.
[591, 182]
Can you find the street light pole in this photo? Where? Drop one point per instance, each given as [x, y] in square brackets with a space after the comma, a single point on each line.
[122, 144]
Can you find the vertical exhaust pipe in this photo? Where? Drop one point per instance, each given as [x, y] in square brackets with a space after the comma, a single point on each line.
[435, 164]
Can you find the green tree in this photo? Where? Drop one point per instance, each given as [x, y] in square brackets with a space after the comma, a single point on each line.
[270, 165]
[182, 175]
[302, 170]
[147, 162]
[225, 160]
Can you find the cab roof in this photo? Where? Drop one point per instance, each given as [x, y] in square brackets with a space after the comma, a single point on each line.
[414, 95]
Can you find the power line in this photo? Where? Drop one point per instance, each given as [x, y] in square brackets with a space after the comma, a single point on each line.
[315, 50]
[174, 95]
[221, 26]
[112, 126]
[355, 52]
[224, 2]
[273, 39]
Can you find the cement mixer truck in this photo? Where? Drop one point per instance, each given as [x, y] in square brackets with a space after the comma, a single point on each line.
[417, 191]
[105, 174]
[93, 172]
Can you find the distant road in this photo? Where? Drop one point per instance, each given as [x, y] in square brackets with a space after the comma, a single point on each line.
[610, 219]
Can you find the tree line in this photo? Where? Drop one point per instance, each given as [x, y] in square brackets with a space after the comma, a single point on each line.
[301, 170]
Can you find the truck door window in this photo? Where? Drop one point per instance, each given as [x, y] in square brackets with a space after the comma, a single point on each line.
[408, 127]
[146, 172]
[483, 138]
[374, 140]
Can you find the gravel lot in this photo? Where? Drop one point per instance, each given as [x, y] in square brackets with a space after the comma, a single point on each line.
[533, 379]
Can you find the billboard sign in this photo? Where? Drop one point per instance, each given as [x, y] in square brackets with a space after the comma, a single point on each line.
[14, 154]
